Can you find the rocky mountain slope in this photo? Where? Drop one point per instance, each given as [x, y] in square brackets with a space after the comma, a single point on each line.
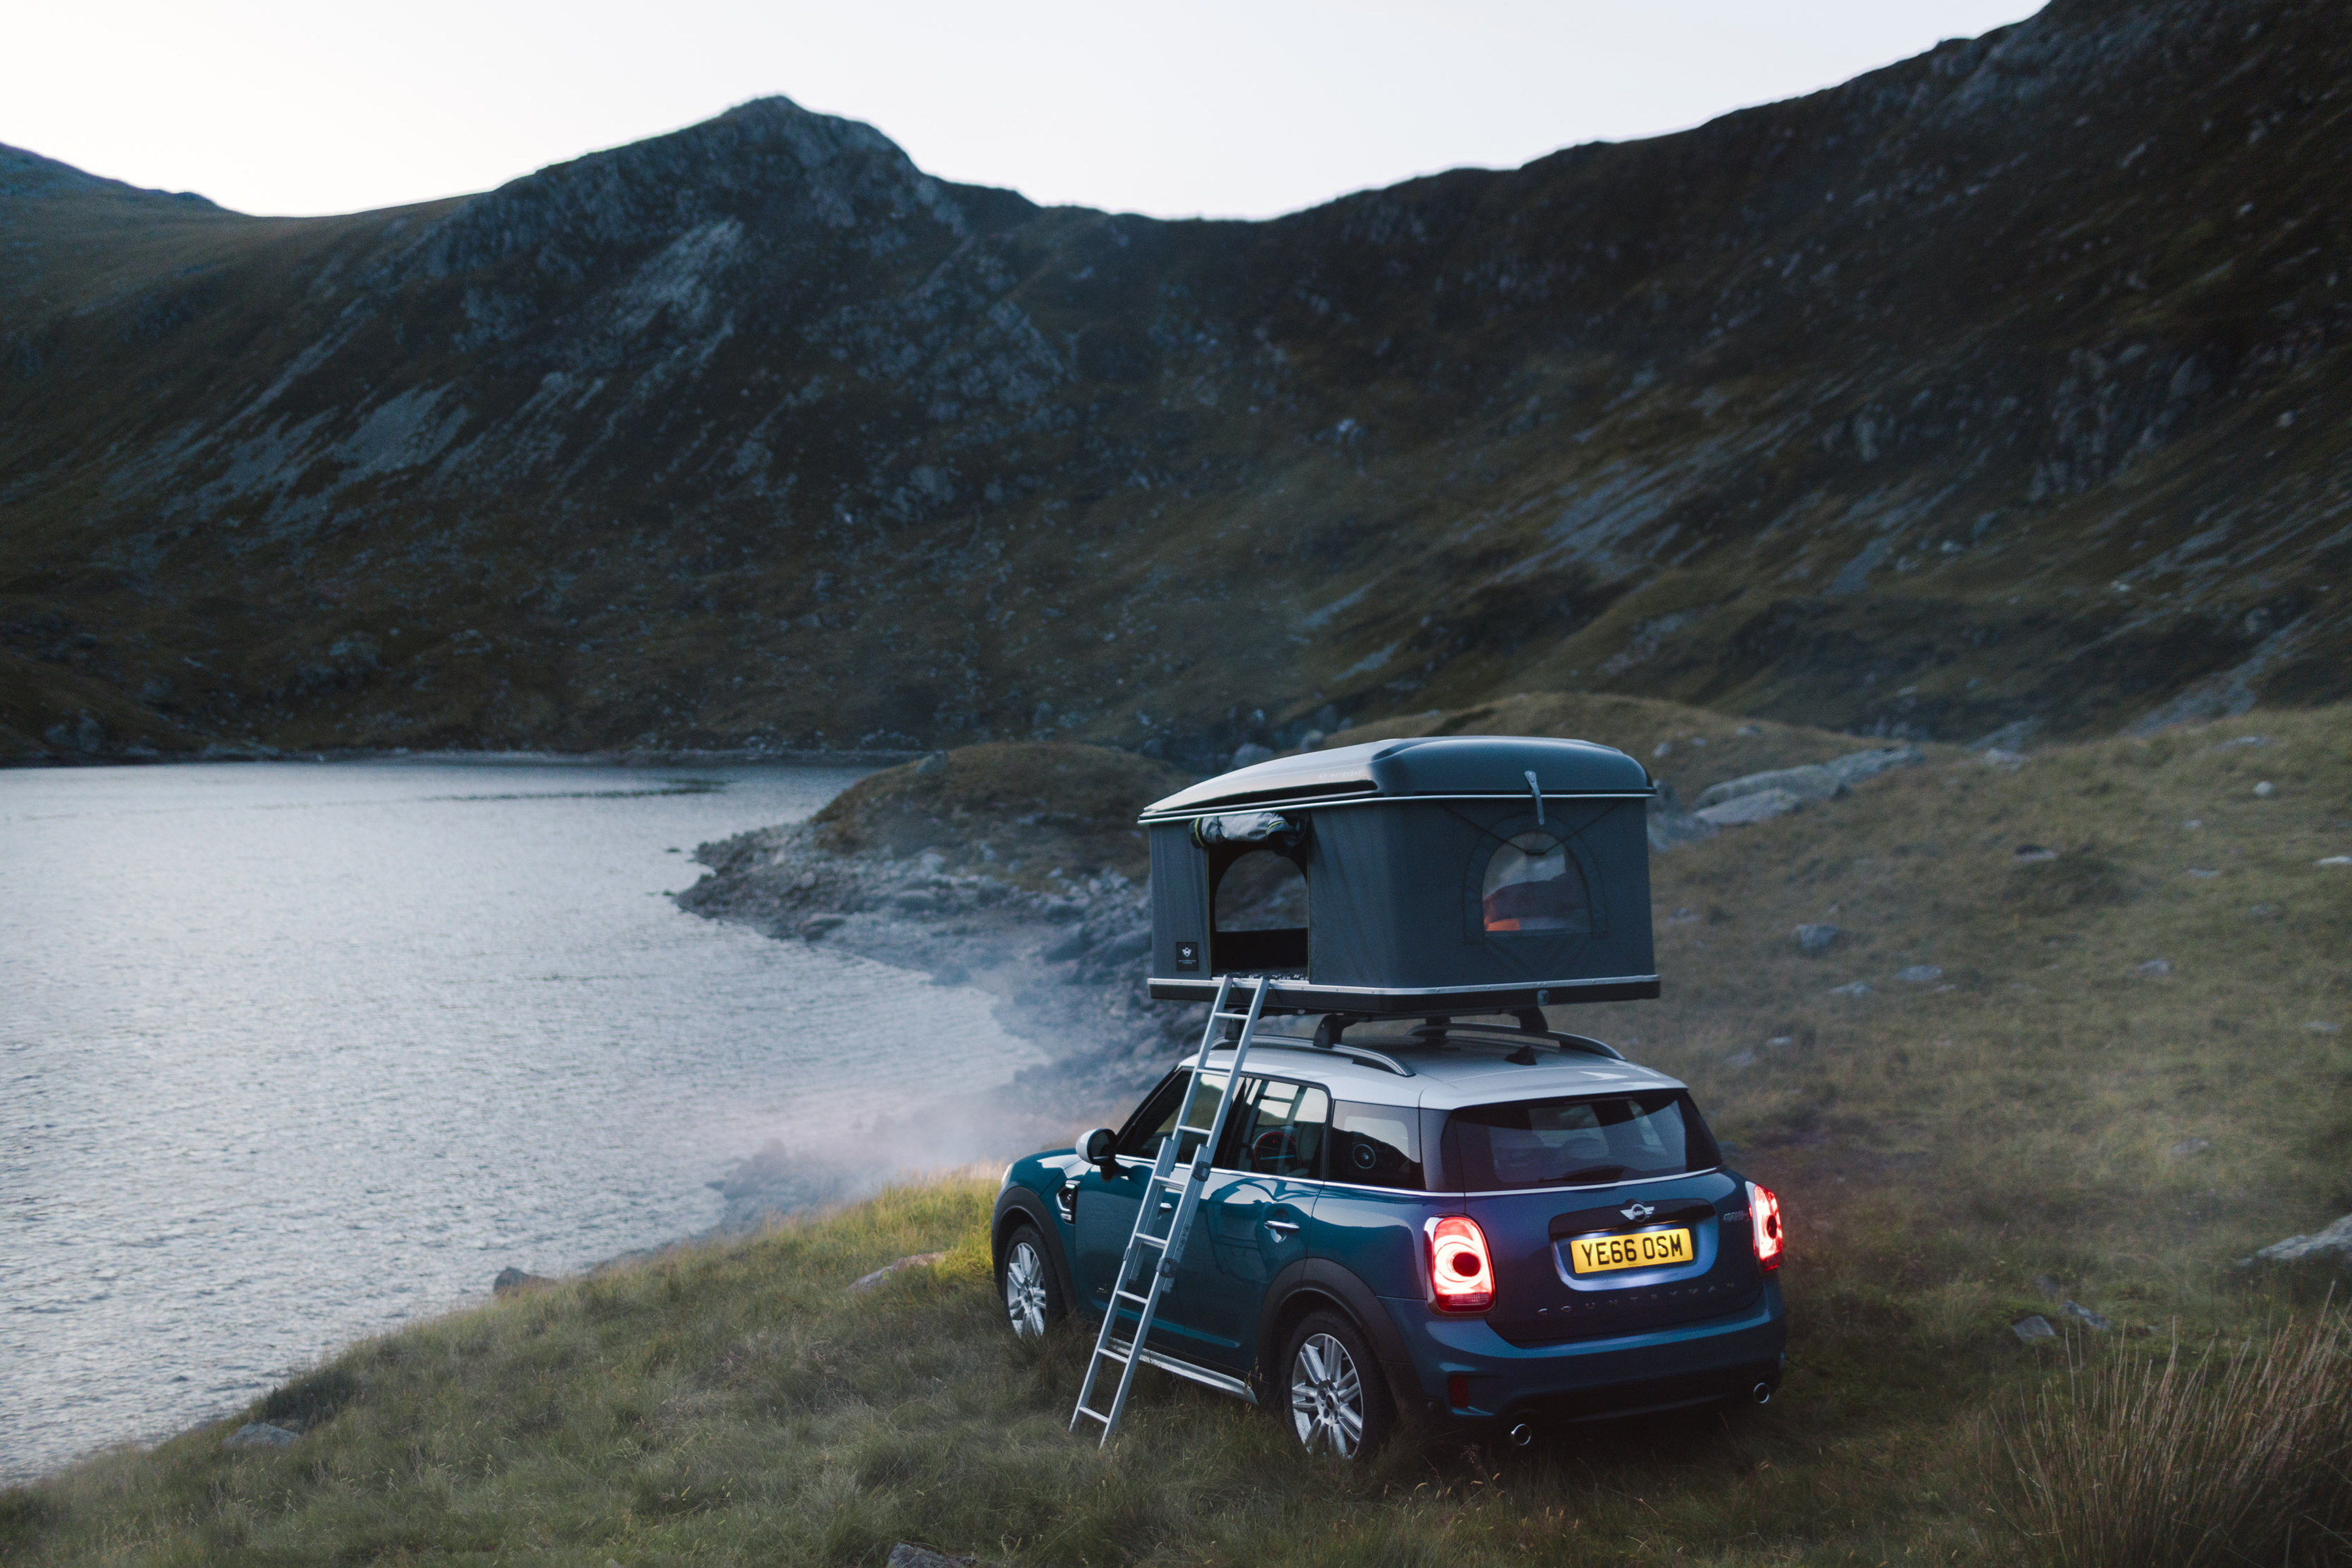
[2001, 386]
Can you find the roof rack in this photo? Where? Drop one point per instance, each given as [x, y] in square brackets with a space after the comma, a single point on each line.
[1528, 1030]
[1525, 1056]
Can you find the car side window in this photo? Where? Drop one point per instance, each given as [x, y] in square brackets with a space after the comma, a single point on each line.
[1154, 1119]
[1278, 1128]
[1152, 1124]
[1376, 1146]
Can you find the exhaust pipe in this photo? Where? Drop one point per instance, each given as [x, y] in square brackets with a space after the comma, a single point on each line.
[1522, 1434]
[1763, 1393]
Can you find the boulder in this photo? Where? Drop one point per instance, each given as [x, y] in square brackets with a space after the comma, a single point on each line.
[906, 1554]
[1856, 766]
[1920, 973]
[1761, 806]
[1135, 944]
[1670, 824]
[865, 1282]
[258, 1434]
[1816, 937]
[1851, 989]
[2336, 1239]
[2188, 1146]
[2078, 1311]
[511, 1279]
[2036, 1327]
[2008, 737]
[1815, 782]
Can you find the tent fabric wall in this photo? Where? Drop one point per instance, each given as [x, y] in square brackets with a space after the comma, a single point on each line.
[1180, 899]
[1393, 891]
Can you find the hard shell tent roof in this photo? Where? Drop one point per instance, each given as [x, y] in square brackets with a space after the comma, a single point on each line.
[1460, 873]
[1429, 766]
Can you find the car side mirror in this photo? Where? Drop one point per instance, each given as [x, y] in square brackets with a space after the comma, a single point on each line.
[1100, 1147]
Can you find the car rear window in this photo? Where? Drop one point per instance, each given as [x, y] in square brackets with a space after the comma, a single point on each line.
[1585, 1141]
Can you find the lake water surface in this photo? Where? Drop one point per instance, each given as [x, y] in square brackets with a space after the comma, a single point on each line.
[291, 1053]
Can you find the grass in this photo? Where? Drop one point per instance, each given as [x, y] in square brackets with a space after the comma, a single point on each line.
[736, 1403]
[2035, 1110]
[2227, 1456]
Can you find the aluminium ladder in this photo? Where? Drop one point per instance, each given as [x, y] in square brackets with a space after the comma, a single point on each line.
[1152, 1255]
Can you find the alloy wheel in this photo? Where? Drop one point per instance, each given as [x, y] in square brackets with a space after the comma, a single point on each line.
[1326, 1397]
[1024, 1292]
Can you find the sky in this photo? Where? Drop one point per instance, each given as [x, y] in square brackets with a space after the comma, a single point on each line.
[1219, 108]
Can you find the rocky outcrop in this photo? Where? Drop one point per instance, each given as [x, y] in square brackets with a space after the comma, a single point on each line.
[2336, 1242]
[259, 1434]
[1979, 390]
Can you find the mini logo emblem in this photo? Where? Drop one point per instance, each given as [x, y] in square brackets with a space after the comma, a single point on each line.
[1637, 1211]
[1187, 955]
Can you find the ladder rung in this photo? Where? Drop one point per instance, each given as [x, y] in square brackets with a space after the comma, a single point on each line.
[1130, 1296]
[1113, 1355]
[1242, 1017]
[1159, 1241]
[1203, 1131]
[1095, 1413]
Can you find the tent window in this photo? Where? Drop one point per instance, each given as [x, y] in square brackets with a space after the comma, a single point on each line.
[1262, 890]
[1534, 885]
[1258, 911]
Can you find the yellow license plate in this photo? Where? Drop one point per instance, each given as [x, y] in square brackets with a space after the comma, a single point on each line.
[1649, 1250]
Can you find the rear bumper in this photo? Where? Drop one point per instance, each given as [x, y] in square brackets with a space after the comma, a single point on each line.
[1583, 1380]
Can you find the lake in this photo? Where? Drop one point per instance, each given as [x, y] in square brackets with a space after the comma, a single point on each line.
[293, 1053]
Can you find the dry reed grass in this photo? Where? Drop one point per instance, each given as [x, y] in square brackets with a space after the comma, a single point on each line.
[2228, 1455]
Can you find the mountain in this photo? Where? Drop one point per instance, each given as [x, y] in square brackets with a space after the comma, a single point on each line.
[2002, 387]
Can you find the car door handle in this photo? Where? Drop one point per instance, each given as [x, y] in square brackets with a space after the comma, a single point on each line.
[1281, 1228]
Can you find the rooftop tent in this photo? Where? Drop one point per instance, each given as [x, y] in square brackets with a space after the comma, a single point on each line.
[1462, 873]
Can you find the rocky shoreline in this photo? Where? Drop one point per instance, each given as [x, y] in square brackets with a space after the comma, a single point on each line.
[1065, 967]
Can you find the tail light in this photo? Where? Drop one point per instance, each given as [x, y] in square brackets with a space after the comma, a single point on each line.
[1461, 1272]
[1764, 1214]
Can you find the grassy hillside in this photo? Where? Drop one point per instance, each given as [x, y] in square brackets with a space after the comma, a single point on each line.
[1016, 811]
[2048, 1104]
[2005, 383]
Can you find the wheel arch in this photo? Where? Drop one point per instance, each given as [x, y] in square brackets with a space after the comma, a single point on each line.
[1017, 1205]
[1315, 1283]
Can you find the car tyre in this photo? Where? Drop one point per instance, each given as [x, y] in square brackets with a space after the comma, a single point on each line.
[1026, 1285]
[1331, 1389]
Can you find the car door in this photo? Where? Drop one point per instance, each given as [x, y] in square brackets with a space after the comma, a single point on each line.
[1252, 1218]
[1107, 1205]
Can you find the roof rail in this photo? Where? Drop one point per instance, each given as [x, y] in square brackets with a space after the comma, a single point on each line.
[1363, 1054]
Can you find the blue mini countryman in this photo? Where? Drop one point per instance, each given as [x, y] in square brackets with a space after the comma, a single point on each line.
[1469, 1224]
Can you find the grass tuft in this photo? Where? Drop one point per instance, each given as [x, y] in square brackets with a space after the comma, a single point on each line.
[2233, 1455]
